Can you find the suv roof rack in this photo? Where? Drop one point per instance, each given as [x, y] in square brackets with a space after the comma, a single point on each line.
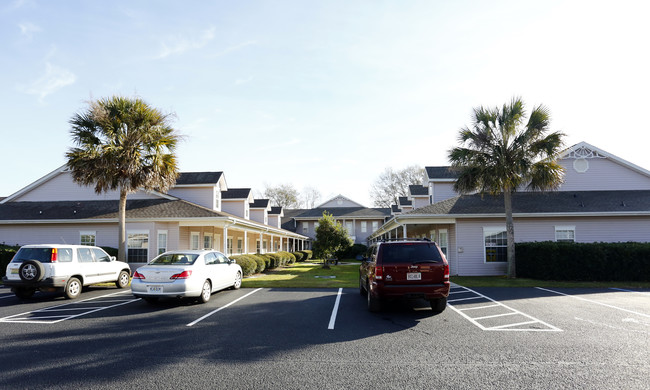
[404, 239]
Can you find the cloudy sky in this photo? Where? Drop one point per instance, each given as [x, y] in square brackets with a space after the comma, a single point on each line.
[320, 93]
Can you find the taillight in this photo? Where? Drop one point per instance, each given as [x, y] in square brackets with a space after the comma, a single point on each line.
[138, 275]
[446, 271]
[55, 255]
[182, 275]
[379, 273]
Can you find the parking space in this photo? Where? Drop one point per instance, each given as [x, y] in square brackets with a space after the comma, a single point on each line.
[326, 338]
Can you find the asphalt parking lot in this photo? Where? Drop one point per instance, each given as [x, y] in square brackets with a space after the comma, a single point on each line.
[326, 339]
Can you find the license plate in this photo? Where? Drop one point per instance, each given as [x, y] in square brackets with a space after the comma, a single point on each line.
[414, 276]
[154, 289]
[14, 271]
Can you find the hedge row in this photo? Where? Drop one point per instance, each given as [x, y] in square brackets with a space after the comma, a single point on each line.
[256, 263]
[626, 261]
[6, 254]
[303, 255]
[352, 252]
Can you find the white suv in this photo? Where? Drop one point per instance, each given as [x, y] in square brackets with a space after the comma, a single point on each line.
[64, 268]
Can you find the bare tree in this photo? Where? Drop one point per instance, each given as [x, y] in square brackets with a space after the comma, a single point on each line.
[392, 184]
[283, 195]
[310, 197]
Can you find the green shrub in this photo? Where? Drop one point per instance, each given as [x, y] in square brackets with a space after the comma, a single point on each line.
[300, 256]
[625, 261]
[6, 254]
[308, 254]
[247, 264]
[352, 252]
[110, 250]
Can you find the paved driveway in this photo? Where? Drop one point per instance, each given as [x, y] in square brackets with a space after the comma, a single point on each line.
[326, 339]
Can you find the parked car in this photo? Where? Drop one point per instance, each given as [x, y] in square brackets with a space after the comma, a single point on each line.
[65, 268]
[407, 268]
[191, 273]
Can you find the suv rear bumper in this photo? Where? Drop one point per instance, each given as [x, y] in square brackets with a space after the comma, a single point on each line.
[47, 282]
[426, 291]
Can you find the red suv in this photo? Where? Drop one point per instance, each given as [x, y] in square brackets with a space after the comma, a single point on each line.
[408, 268]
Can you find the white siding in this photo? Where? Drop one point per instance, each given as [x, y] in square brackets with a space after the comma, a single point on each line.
[235, 207]
[258, 215]
[62, 187]
[203, 196]
[603, 174]
[106, 234]
[443, 191]
[420, 202]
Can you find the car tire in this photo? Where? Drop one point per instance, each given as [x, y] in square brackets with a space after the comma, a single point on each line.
[206, 292]
[237, 283]
[438, 305]
[374, 303]
[123, 280]
[72, 288]
[31, 271]
[151, 300]
[24, 293]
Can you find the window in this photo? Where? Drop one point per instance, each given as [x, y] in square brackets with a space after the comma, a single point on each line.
[100, 255]
[364, 226]
[162, 241]
[565, 233]
[305, 227]
[315, 226]
[194, 240]
[207, 241]
[210, 258]
[496, 245]
[87, 238]
[350, 227]
[264, 246]
[257, 246]
[229, 246]
[137, 247]
[443, 240]
[375, 225]
[85, 255]
[240, 246]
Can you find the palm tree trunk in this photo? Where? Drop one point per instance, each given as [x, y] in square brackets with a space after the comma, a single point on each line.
[121, 250]
[510, 233]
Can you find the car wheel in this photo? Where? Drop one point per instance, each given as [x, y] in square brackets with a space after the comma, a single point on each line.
[374, 303]
[24, 293]
[206, 292]
[438, 305]
[151, 300]
[31, 271]
[73, 288]
[122, 280]
[237, 283]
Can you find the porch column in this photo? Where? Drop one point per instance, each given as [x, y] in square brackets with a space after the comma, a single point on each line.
[261, 248]
[225, 240]
[404, 230]
[245, 242]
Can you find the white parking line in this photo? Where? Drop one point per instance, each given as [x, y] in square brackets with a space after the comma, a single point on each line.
[7, 296]
[633, 291]
[335, 310]
[596, 302]
[221, 308]
[510, 311]
[27, 318]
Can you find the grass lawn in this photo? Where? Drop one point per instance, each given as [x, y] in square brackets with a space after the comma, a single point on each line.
[308, 274]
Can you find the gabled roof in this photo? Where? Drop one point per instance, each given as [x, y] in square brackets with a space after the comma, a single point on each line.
[404, 201]
[341, 212]
[276, 211]
[582, 149]
[341, 198]
[395, 209]
[445, 172]
[186, 178]
[418, 190]
[557, 203]
[236, 193]
[260, 204]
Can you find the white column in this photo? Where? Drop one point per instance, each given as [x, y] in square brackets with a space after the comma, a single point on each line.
[404, 230]
[225, 240]
[245, 242]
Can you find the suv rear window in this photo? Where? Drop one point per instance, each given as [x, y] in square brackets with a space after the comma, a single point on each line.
[44, 255]
[408, 253]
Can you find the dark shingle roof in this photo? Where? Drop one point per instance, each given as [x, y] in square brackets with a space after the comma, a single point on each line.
[100, 209]
[395, 208]
[259, 204]
[198, 178]
[349, 212]
[404, 201]
[236, 193]
[441, 173]
[570, 202]
[276, 210]
[418, 190]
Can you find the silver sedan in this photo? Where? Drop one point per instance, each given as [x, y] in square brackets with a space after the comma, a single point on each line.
[191, 273]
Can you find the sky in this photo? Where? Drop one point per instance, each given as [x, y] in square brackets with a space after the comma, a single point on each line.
[323, 94]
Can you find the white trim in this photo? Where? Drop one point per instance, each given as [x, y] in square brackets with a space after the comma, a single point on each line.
[487, 230]
[158, 247]
[198, 240]
[88, 233]
[571, 228]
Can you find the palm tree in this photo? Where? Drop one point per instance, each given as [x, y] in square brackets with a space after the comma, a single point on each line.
[501, 153]
[123, 145]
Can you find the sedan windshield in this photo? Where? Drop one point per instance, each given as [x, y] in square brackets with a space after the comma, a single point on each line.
[175, 259]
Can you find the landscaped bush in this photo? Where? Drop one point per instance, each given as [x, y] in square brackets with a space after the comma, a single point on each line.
[628, 261]
[300, 256]
[308, 254]
[110, 250]
[248, 265]
[287, 258]
[352, 252]
[6, 254]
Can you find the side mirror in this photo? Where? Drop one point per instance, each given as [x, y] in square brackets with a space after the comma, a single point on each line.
[113, 258]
